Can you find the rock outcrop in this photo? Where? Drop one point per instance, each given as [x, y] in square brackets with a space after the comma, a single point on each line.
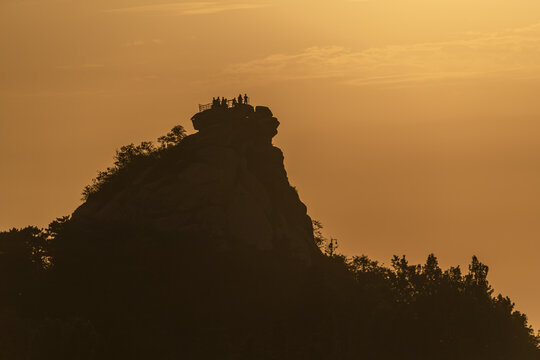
[226, 183]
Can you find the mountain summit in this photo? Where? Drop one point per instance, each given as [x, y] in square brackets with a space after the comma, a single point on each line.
[225, 184]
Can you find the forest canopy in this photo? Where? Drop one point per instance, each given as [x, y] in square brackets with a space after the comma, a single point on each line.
[414, 310]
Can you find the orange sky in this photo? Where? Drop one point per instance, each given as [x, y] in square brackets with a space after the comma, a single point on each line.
[409, 126]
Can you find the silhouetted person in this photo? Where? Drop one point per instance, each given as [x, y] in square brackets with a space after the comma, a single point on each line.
[240, 99]
[214, 103]
[245, 99]
[223, 102]
[234, 102]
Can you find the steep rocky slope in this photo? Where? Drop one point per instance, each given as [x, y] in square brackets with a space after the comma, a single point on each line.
[226, 184]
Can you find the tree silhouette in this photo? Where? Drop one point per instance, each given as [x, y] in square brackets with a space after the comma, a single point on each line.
[173, 137]
[132, 158]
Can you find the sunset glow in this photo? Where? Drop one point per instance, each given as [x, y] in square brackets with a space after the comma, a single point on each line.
[409, 126]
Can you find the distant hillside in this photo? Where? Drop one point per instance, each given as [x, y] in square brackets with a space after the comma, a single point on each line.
[199, 248]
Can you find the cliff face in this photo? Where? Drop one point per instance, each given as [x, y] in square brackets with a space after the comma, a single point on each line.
[225, 183]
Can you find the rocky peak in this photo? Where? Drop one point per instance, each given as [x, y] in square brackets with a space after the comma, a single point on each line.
[225, 183]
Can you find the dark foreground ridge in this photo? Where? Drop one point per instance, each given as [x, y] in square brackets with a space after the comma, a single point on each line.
[200, 248]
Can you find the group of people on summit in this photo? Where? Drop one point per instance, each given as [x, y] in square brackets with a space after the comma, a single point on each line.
[224, 103]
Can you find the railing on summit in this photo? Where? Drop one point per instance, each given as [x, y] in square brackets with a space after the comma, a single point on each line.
[230, 104]
[203, 107]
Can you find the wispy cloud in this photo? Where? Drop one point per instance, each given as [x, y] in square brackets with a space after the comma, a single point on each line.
[143, 42]
[81, 66]
[187, 8]
[509, 53]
